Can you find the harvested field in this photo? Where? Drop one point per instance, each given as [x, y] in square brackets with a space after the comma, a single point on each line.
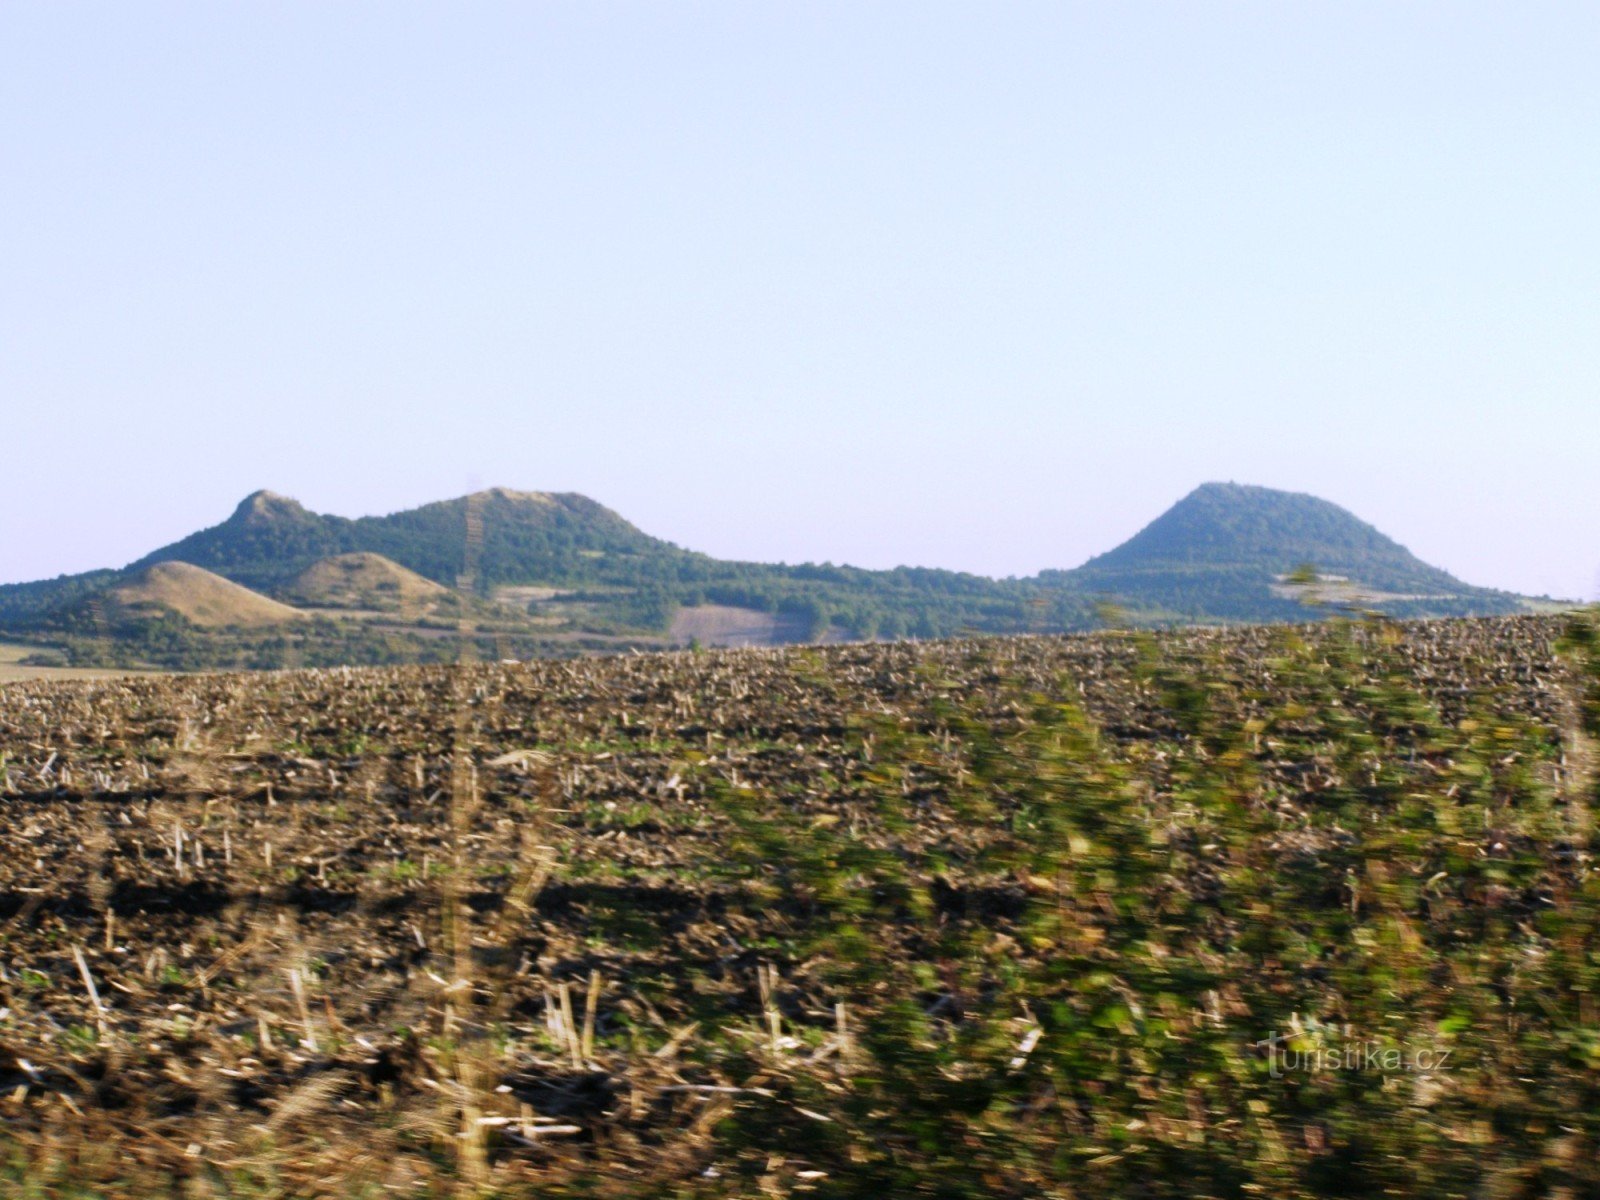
[1004, 917]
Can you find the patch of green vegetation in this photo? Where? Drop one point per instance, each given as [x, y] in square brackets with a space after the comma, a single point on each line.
[1162, 939]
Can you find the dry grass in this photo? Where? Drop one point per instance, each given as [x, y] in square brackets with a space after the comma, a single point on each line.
[202, 598]
[371, 582]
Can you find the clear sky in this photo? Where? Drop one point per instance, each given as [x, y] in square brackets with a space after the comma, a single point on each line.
[982, 286]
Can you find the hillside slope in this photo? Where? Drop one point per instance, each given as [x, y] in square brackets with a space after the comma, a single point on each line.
[203, 599]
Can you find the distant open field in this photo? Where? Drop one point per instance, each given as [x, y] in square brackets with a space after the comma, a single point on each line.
[725, 625]
[12, 669]
[1012, 917]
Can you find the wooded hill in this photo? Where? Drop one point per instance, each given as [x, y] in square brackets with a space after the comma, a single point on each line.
[1233, 552]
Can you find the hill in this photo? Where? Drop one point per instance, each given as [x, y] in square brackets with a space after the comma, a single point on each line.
[1230, 551]
[365, 581]
[614, 580]
[204, 600]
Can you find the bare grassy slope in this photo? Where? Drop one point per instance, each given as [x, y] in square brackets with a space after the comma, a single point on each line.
[197, 595]
[363, 580]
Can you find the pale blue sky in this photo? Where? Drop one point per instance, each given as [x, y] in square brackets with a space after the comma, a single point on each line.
[983, 286]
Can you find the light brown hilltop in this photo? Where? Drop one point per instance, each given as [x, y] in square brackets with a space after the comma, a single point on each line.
[544, 499]
[370, 582]
[197, 595]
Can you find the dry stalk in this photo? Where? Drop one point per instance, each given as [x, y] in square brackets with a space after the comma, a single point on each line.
[767, 980]
[94, 992]
[299, 990]
[471, 1148]
[590, 1006]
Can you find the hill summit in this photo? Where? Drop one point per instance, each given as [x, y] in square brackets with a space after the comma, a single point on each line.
[264, 506]
[1236, 524]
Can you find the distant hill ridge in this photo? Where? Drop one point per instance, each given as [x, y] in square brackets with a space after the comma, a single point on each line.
[564, 573]
[526, 536]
